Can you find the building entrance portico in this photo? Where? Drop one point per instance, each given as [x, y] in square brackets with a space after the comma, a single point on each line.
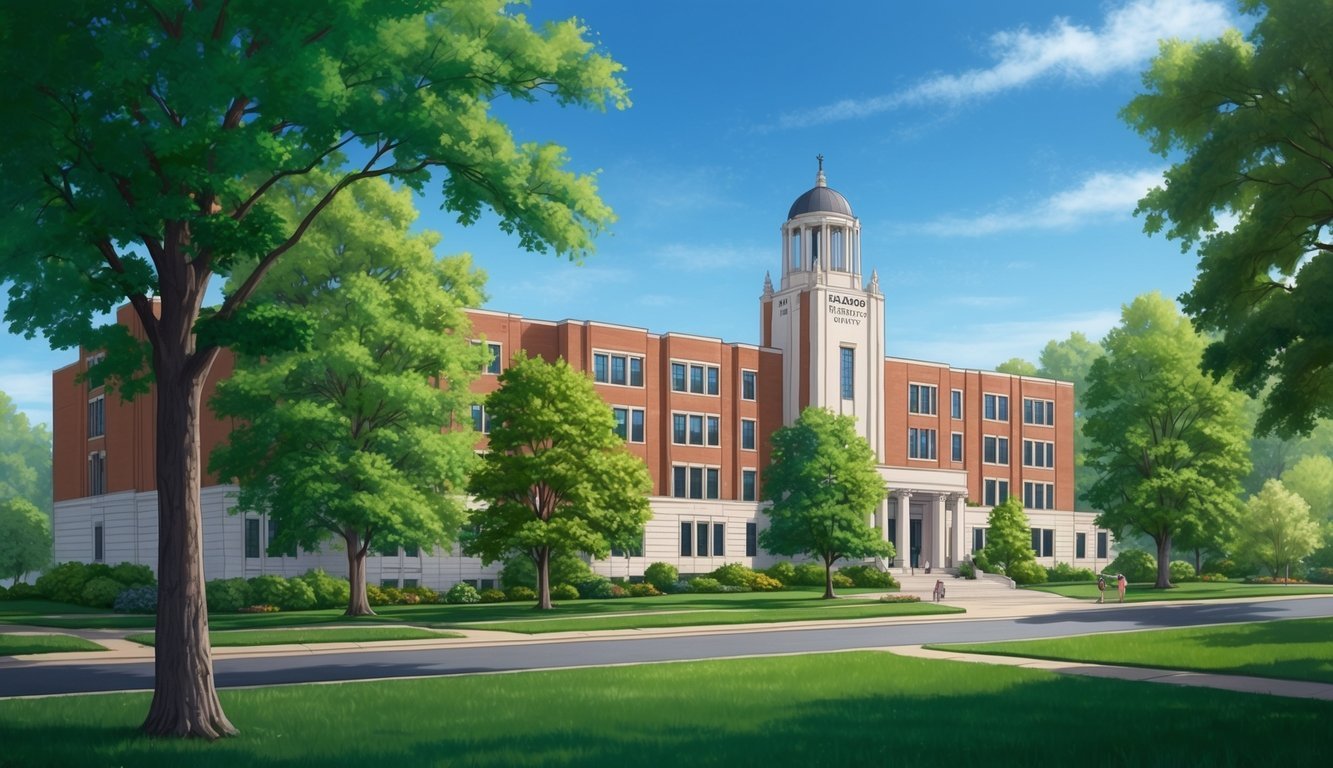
[928, 516]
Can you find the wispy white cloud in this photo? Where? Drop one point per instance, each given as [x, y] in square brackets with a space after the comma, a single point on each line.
[1100, 197]
[985, 345]
[1127, 38]
[711, 258]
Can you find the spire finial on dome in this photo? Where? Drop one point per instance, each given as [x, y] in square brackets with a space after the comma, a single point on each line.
[819, 178]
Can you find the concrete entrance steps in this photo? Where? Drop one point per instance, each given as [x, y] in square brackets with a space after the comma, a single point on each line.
[986, 586]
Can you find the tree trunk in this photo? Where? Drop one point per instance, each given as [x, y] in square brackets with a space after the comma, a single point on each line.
[357, 604]
[828, 580]
[185, 702]
[1198, 561]
[544, 579]
[1163, 562]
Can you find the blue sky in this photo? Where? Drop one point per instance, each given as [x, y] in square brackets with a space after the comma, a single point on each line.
[979, 143]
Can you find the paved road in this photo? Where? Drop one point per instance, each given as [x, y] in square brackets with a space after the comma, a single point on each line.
[39, 678]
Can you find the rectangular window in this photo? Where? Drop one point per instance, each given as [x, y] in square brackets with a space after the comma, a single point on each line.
[601, 372]
[1039, 412]
[1038, 495]
[921, 398]
[696, 483]
[748, 380]
[747, 484]
[696, 429]
[272, 536]
[634, 550]
[1102, 549]
[678, 428]
[747, 434]
[719, 539]
[412, 551]
[481, 421]
[385, 583]
[978, 539]
[847, 372]
[677, 377]
[99, 548]
[385, 549]
[995, 450]
[995, 407]
[610, 368]
[686, 539]
[921, 443]
[97, 473]
[622, 422]
[713, 491]
[97, 416]
[1080, 545]
[636, 371]
[714, 428]
[678, 485]
[1039, 453]
[956, 403]
[956, 446]
[1043, 542]
[618, 373]
[713, 385]
[493, 362]
[410, 583]
[697, 379]
[636, 425]
[701, 539]
[252, 537]
[996, 492]
[751, 539]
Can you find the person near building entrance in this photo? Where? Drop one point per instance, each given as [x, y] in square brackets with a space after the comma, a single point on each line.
[939, 590]
[1120, 583]
[1101, 588]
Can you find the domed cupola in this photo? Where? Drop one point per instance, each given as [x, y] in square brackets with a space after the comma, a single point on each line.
[821, 238]
[822, 198]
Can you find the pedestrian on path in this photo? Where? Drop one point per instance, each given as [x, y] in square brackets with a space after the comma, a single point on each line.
[1120, 583]
[1101, 588]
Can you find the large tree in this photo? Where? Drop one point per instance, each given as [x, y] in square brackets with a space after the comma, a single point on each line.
[1252, 117]
[1312, 479]
[1070, 360]
[556, 478]
[1009, 538]
[1276, 530]
[823, 486]
[25, 538]
[141, 152]
[25, 457]
[1167, 442]
[343, 438]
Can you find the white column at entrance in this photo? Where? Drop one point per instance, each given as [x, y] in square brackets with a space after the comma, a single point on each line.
[884, 518]
[959, 503]
[939, 547]
[904, 545]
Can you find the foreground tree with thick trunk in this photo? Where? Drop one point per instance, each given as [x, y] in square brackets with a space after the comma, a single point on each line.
[342, 440]
[141, 149]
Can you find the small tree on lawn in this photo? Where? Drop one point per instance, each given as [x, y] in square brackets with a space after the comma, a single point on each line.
[1009, 537]
[25, 538]
[823, 486]
[1277, 529]
[557, 478]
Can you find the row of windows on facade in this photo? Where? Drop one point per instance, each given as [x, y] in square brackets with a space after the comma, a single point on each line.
[702, 538]
[1043, 543]
[1036, 495]
[921, 444]
[923, 399]
[686, 428]
[703, 482]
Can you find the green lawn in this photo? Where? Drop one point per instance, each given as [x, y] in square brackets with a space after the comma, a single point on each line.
[802, 604]
[368, 634]
[861, 708]
[1189, 590]
[1296, 649]
[15, 645]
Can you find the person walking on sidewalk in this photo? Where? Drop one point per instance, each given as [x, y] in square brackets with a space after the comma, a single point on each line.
[1101, 588]
[1120, 583]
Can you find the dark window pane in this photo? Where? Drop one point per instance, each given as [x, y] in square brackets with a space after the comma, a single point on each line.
[751, 539]
[686, 539]
[678, 482]
[636, 371]
[719, 539]
[617, 369]
[701, 538]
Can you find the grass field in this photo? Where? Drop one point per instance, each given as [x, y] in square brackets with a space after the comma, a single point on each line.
[16, 645]
[1297, 649]
[367, 634]
[1189, 590]
[851, 709]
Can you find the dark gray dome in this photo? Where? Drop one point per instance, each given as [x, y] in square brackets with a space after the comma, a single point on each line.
[820, 198]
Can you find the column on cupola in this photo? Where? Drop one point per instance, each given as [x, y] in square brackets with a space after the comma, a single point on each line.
[904, 545]
[959, 503]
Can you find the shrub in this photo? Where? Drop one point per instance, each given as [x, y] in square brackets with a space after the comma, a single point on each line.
[520, 594]
[1027, 572]
[564, 592]
[644, 589]
[1136, 564]
[809, 575]
[734, 575]
[705, 584]
[4, 593]
[23, 591]
[421, 595]
[1223, 565]
[840, 580]
[407, 598]
[967, 570]
[594, 587]
[1067, 572]
[680, 587]
[1212, 577]
[1181, 571]
[287, 594]
[260, 609]
[64, 583]
[565, 568]
[492, 596]
[1316, 576]
[899, 599]
[375, 595]
[142, 599]
[393, 595]
[764, 583]
[329, 591]
[868, 576]
[784, 572]
[227, 595]
[461, 593]
[663, 576]
[981, 562]
[101, 592]
[133, 575]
